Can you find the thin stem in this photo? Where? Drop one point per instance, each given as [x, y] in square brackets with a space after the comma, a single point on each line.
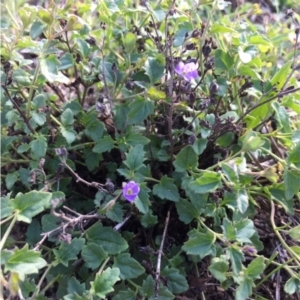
[55, 120]
[103, 265]
[12, 17]
[6, 220]
[285, 245]
[38, 287]
[216, 235]
[7, 232]
[160, 253]
[32, 89]
[50, 284]
[279, 266]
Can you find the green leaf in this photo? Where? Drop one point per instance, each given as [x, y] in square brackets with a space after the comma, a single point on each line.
[231, 172]
[186, 211]
[242, 200]
[291, 182]
[255, 268]
[30, 204]
[23, 148]
[24, 261]
[68, 252]
[154, 69]
[74, 23]
[207, 183]
[128, 266]
[294, 233]
[67, 117]
[251, 141]
[148, 286]
[22, 77]
[155, 94]
[229, 230]
[36, 29]
[277, 192]
[282, 117]
[236, 257]
[166, 189]
[176, 282]
[50, 222]
[116, 213]
[134, 139]
[142, 202]
[244, 290]
[199, 243]
[125, 295]
[134, 158]
[49, 68]
[38, 147]
[33, 233]
[39, 118]
[27, 15]
[91, 159]
[218, 269]
[111, 241]
[140, 109]
[104, 282]
[200, 145]
[7, 207]
[39, 101]
[45, 15]
[75, 287]
[11, 179]
[216, 28]
[68, 133]
[292, 285]
[93, 255]
[245, 57]
[186, 159]
[104, 145]
[129, 42]
[66, 62]
[83, 47]
[293, 156]
[148, 220]
[180, 35]
[280, 77]
[223, 60]
[244, 230]
[94, 129]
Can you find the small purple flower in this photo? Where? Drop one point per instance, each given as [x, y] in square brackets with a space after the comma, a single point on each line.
[130, 190]
[188, 71]
[249, 250]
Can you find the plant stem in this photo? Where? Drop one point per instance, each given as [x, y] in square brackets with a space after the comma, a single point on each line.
[32, 89]
[283, 243]
[7, 232]
[38, 287]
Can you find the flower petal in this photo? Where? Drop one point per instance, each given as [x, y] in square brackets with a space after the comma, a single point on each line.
[179, 68]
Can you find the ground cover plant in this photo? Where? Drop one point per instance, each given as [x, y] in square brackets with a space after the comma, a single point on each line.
[150, 150]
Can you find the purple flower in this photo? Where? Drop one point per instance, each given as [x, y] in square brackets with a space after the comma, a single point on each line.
[187, 71]
[130, 190]
[249, 250]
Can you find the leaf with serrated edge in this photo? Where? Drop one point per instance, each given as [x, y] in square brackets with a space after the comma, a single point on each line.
[104, 282]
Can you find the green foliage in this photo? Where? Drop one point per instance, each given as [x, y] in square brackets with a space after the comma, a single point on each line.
[92, 101]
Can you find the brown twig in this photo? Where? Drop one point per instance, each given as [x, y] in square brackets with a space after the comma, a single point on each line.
[71, 222]
[94, 184]
[160, 253]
